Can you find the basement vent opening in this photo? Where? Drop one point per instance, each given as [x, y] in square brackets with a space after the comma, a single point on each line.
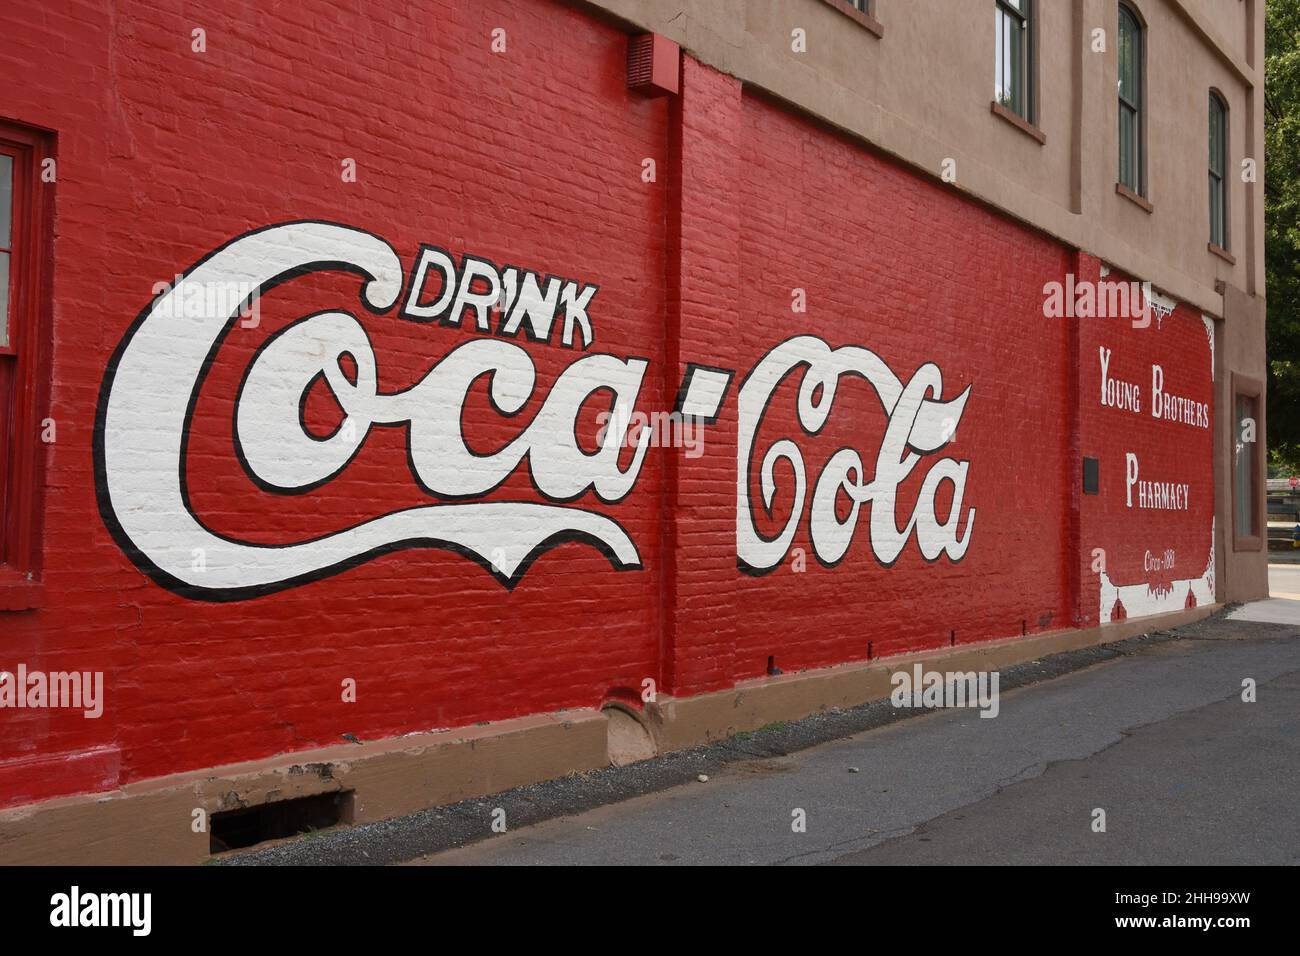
[249, 826]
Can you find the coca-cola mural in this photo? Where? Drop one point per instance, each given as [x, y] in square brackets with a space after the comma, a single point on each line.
[154, 379]
[1133, 405]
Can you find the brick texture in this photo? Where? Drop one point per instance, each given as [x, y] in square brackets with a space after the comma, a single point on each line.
[535, 157]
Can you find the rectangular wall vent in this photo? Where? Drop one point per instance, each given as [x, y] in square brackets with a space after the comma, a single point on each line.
[653, 63]
[249, 826]
[1091, 475]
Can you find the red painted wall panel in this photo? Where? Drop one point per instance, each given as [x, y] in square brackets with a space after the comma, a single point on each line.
[916, 274]
[1146, 415]
[533, 157]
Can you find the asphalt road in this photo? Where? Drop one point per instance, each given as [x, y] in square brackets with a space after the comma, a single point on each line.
[1160, 739]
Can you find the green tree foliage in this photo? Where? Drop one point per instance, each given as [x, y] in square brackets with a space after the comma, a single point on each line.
[1282, 226]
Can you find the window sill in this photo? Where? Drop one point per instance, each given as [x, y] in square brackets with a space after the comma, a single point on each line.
[1018, 121]
[1222, 253]
[1248, 544]
[1140, 201]
[17, 593]
[865, 20]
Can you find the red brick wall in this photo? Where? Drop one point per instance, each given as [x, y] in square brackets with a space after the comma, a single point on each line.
[532, 157]
[917, 274]
[1153, 559]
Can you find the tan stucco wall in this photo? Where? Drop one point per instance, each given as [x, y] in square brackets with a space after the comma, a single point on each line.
[1228, 20]
[922, 93]
[1243, 573]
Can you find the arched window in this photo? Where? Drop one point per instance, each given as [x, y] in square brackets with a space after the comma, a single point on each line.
[1218, 171]
[1132, 93]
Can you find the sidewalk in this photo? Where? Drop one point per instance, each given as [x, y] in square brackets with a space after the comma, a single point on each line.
[1152, 730]
[1159, 739]
[1283, 607]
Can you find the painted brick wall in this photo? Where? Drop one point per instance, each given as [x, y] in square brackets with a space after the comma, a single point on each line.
[1146, 403]
[530, 157]
[916, 274]
[534, 157]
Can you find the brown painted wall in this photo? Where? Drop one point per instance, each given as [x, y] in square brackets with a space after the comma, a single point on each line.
[1244, 568]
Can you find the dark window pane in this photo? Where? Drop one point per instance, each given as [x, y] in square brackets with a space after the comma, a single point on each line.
[999, 34]
[1017, 66]
[1247, 525]
[1126, 147]
[4, 300]
[1126, 85]
[1216, 213]
[1130, 101]
[1218, 164]
[1012, 45]
[6, 199]
[1216, 135]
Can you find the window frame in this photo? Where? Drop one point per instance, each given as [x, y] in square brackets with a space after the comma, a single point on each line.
[1244, 386]
[862, 12]
[1138, 107]
[1223, 240]
[1027, 18]
[30, 286]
